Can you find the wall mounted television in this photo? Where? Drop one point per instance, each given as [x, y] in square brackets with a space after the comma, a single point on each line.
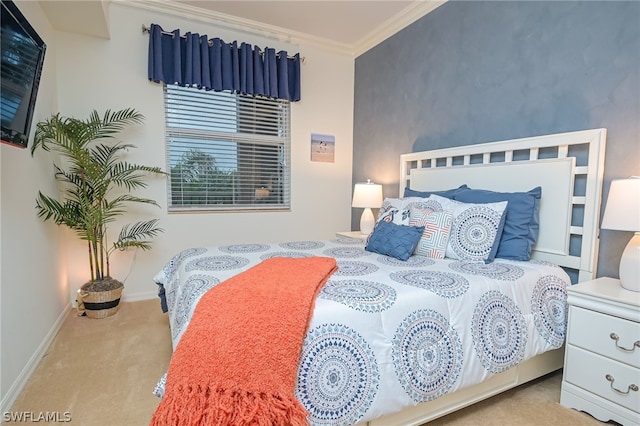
[22, 56]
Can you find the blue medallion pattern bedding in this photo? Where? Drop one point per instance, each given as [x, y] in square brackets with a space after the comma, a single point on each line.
[386, 333]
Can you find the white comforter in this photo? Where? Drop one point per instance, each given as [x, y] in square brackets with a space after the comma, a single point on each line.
[387, 334]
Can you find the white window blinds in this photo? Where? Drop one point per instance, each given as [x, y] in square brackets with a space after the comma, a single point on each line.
[226, 151]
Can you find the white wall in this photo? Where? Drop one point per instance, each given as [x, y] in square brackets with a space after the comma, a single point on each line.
[33, 285]
[42, 266]
[100, 74]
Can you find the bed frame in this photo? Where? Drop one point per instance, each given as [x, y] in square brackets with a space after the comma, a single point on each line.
[569, 167]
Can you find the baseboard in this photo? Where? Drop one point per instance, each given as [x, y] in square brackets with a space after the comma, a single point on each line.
[27, 371]
[136, 297]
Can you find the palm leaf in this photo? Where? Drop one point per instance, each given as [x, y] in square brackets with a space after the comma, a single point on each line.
[137, 235]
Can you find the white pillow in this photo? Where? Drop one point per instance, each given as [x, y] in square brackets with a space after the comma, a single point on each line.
[476, 228]
[437, 227]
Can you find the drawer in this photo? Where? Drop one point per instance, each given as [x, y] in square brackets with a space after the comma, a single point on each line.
[589, 371]
[592, 330]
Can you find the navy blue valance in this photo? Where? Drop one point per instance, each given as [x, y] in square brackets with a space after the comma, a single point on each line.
[211, 64]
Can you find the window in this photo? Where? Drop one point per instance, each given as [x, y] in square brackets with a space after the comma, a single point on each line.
[226, 151]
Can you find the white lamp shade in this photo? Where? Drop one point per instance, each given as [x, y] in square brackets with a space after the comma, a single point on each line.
[622, 212]
[367, 195]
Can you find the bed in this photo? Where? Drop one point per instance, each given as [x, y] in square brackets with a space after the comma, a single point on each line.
[397, 340]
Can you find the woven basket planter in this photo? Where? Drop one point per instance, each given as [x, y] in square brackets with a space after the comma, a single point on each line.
[99, 304]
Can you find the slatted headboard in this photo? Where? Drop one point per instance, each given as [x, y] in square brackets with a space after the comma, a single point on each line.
[568, 166]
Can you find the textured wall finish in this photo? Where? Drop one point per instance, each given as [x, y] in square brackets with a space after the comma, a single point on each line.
[473, 72]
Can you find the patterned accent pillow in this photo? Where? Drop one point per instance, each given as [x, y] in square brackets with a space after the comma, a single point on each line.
[435, 237]
[398, 210]
[398, 241]
[522, 219]
[476, 228]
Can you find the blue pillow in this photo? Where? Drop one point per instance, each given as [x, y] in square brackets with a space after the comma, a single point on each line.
[447, 193]
[522, 221]
[394, 240]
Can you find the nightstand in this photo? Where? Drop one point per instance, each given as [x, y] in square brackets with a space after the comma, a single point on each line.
[602, 356]
[352, 234]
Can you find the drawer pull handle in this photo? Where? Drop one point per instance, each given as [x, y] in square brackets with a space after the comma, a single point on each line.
[631, 387]
[615, 337]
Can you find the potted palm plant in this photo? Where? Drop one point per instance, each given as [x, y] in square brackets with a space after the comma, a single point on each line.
[96, 185]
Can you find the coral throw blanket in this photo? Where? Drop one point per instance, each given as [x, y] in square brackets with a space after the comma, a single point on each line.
[237, 362]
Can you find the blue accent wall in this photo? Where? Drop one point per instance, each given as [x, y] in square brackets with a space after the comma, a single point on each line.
[480, 71]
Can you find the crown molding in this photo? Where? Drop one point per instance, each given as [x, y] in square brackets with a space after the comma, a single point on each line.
[403, 19]
[236, 23]
[394, 24]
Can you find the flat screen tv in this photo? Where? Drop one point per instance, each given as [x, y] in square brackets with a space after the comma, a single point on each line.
[22, 57]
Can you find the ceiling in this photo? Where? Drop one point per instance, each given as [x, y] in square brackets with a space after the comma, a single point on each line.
[351, 26]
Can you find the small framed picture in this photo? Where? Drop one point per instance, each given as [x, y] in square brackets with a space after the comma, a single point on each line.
[323, 148]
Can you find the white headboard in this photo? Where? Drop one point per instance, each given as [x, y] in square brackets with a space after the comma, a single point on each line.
[568, 166]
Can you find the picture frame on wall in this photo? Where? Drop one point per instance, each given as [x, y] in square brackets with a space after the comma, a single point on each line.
[323, 148]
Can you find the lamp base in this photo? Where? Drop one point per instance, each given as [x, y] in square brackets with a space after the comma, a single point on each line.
[630, 264]
[367, 222]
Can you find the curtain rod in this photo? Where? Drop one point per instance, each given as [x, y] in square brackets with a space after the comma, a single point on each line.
[147, 30]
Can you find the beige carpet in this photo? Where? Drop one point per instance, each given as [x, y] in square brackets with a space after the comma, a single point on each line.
[102, 372]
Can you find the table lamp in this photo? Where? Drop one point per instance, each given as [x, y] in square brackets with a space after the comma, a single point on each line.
[622, 213]
[367, 195]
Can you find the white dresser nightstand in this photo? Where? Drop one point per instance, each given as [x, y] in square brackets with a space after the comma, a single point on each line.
[602, 359]
[352, 234]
